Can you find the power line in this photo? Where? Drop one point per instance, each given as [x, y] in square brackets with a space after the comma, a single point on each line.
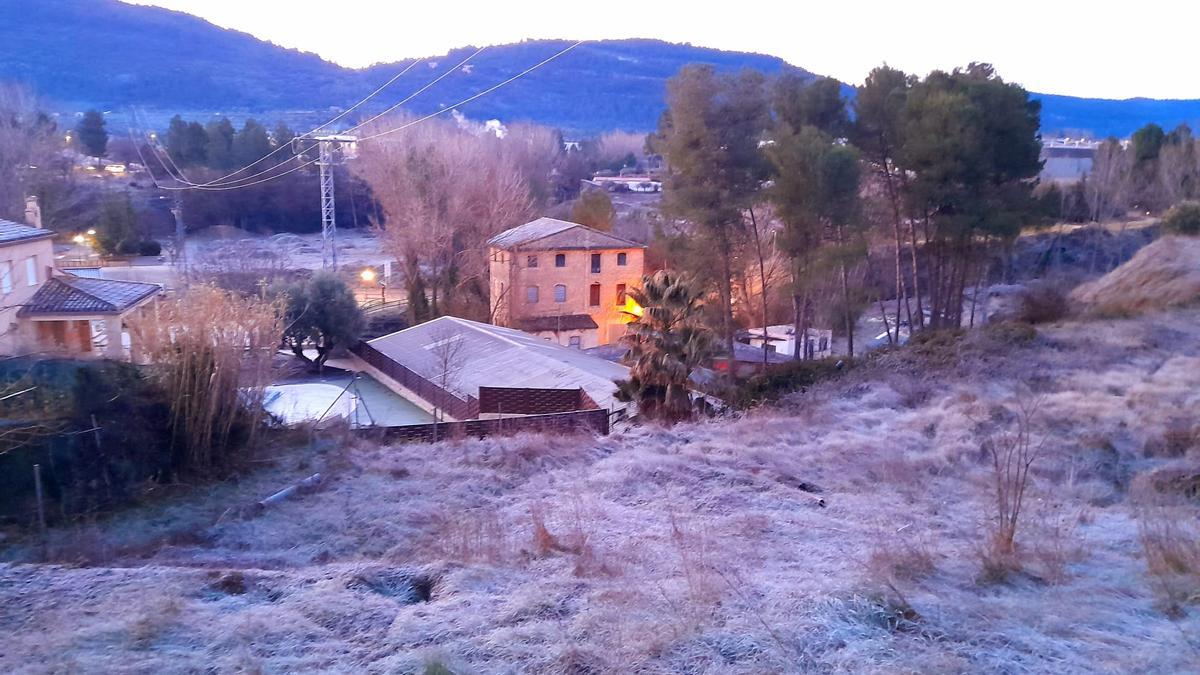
[230, 185]
[217, 182]
[417, 92]
[281, 146]
[467, 100]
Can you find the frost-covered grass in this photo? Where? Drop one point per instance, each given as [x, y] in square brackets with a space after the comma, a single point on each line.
[841, 531]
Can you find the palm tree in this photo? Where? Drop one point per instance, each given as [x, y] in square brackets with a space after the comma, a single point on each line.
[666, 343]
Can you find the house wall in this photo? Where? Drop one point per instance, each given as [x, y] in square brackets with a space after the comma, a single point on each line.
[587, 338]
[12, 259]
[511, 276]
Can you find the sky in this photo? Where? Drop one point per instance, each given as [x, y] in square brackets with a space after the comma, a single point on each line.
[1099, 49]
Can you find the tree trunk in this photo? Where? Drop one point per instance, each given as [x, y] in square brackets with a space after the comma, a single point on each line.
[726, 300]
[901, 284]
[762, 275]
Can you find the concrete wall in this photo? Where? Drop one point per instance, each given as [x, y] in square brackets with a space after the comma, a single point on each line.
[511, 276]
[15, 255]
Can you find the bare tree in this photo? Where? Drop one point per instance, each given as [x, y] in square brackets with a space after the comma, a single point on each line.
[449, 360]
[444, 192]
[28, 140]
[1110, 181]
[1012, 451]
[1179, 170]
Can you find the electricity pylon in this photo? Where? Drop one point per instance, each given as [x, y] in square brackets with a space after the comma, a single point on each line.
[332, 149]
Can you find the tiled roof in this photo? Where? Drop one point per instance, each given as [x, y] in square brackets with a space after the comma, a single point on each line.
[550, 233]
[78, 295]
[10, 232]
[539, 324]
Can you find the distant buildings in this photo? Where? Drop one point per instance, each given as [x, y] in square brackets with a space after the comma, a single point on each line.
[781, 339]
[1067, 160]
[563, 281]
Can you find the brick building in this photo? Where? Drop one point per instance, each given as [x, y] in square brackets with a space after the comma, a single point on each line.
[563, 281]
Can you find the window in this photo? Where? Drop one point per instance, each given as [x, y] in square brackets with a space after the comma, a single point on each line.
[594, 295]
[560, 293]
[575, 342]
[531, 295]
[620, 294]
[595, 263]
[31, 270]
[621, 259]
[560, 259]
[5, 277]
[531, 261]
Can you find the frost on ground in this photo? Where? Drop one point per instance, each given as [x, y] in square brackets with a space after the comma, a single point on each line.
[842, 531]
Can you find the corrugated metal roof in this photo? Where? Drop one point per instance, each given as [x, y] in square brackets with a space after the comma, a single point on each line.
[10, 232]
[551, 233]
[491, 356]
[78, 295]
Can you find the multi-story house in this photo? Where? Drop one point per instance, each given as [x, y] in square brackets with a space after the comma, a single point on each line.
[563, 281]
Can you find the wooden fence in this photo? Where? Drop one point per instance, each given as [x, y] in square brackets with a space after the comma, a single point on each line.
[591, 421]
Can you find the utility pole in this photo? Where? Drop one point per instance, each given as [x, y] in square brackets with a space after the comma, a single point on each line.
[332, 149]
[180, 231]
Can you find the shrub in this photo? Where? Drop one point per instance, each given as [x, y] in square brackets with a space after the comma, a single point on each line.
[783, 379]
[149, 247]
[1041, 303]
[1009, 332]
[1183, 218]
[82, 471]
[1012, 453]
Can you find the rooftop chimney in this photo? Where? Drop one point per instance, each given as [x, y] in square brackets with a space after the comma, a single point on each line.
[33, 212]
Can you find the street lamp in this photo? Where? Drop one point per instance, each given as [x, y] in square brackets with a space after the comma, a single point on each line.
[367, 275]
[79, 239]
[91, 232]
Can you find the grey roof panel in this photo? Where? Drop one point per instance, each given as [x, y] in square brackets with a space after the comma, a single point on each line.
[491, 356]
[79, 295]
[12, 232]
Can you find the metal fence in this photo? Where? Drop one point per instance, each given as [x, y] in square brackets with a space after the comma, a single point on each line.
[454, 406]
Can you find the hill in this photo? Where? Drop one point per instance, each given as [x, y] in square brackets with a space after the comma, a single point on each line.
[842, 532]
[106, 54]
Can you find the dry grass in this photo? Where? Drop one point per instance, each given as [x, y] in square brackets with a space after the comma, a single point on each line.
[1168, 514]
[212, 352]
[1163, 274]
[701, 548]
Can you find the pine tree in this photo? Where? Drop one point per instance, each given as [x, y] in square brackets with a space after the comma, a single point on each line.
[92, 135]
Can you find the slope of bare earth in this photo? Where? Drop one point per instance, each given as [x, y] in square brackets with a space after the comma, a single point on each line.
[839, 532]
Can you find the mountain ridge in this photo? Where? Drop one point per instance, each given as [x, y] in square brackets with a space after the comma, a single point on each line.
[107, 54]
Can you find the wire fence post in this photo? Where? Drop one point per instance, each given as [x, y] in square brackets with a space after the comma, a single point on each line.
[41, 506]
